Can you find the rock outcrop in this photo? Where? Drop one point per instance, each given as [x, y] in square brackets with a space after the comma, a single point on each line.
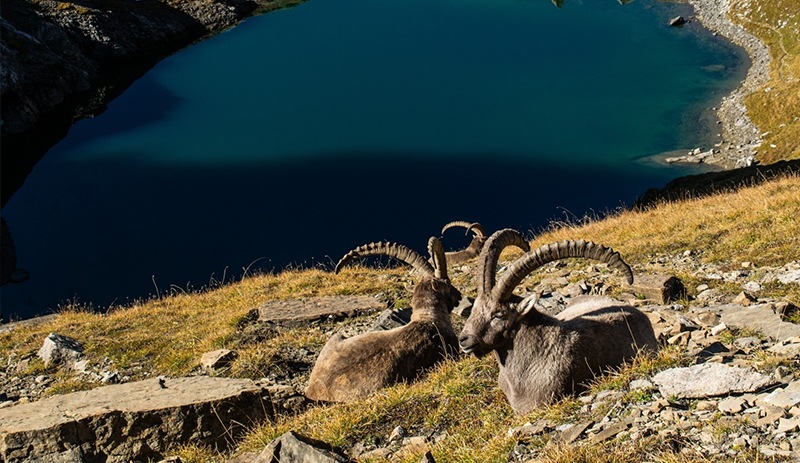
[62, 61]
[134, 421]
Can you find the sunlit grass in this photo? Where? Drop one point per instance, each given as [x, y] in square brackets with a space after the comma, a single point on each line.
[459, 401]
[775, 108]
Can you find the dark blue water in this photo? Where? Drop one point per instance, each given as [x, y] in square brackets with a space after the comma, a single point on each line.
[303, 133]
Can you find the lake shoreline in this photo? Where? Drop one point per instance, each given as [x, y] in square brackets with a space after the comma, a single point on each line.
[740, 137]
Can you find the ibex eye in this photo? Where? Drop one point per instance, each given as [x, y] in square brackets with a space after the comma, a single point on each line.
[499, 316]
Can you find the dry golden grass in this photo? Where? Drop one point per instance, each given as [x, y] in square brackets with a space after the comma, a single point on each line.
[459, 399]
[169, 335]
[753, 224]
[775, 108]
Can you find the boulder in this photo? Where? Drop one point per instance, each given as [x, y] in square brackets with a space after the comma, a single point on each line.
[663, 289]
[60, 350]
[677, 21]
[294, 448]
[709, 380]
[136, 421]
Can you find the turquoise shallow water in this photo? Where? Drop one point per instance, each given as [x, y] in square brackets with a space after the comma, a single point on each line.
[305, 132]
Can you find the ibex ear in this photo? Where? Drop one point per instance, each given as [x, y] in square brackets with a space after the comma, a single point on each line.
[526, 305]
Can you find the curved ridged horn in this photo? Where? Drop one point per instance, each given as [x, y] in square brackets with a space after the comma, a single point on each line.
[477, 229]
[556, 251]
[494, 245]
[474, 227]
[436, 251]
[385, 248]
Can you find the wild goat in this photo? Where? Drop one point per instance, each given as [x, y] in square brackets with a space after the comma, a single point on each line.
[544, 358]
[474, 247]
[351, 368]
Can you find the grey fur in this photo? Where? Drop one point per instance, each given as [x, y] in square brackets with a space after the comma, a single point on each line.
[544, 358]
[352, 368]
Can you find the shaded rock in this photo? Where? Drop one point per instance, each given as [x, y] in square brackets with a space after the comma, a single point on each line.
[133, 421]
[708, 380]
[715, 348]
[731, 405]
[744, 298]
[788, 424]
[528, 430]
[610, 431]
[294, 448]
[217, 359]
[708, 319]
[572, 433]
[787, 348]
[61, 350]
[392, 318]
[786, 397]
[677, 21]
[663, 289]
[296, 312]
[427, 458]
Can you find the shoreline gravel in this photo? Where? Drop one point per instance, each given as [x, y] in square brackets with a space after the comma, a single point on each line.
[740, 137]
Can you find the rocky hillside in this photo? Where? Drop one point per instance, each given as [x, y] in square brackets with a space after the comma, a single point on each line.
[723, 387]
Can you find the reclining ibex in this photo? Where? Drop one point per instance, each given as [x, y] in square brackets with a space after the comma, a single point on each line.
[474, 247]
[544, 358]
[351, 368]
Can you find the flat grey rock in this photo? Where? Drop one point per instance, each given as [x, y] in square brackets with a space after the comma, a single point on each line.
[136, 421]
[760, 317]
[300, 311]
[709, 380]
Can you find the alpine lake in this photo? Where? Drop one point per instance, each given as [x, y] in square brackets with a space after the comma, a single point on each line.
[303, 133]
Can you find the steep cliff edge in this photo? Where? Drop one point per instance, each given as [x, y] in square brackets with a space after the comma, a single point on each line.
[62, 61]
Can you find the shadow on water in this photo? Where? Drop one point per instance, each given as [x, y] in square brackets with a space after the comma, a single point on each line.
[125, 230]
[138, 113]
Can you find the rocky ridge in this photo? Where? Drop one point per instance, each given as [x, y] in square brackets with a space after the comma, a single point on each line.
[749, 399]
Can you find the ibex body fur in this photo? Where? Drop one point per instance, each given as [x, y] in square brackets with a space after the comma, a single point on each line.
[544, 358]
[351, 368]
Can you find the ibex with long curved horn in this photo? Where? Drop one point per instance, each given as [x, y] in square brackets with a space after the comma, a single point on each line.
[351, 368]
[474, 247]
[544, 358]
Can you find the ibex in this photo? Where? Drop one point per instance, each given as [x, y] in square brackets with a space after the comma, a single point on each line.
[474, 247]
[544, 358]
[351, 368]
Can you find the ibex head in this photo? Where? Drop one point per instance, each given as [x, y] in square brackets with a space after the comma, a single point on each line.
[435, 283]
[497, 311]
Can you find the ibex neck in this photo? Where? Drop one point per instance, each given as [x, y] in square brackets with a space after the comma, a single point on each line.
[437, 315]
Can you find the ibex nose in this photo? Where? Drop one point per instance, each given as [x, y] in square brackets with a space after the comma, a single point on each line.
[466, 343]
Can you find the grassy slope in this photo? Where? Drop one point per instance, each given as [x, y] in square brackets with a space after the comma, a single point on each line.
[775, 109]
[460, 399]
[167, 336]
